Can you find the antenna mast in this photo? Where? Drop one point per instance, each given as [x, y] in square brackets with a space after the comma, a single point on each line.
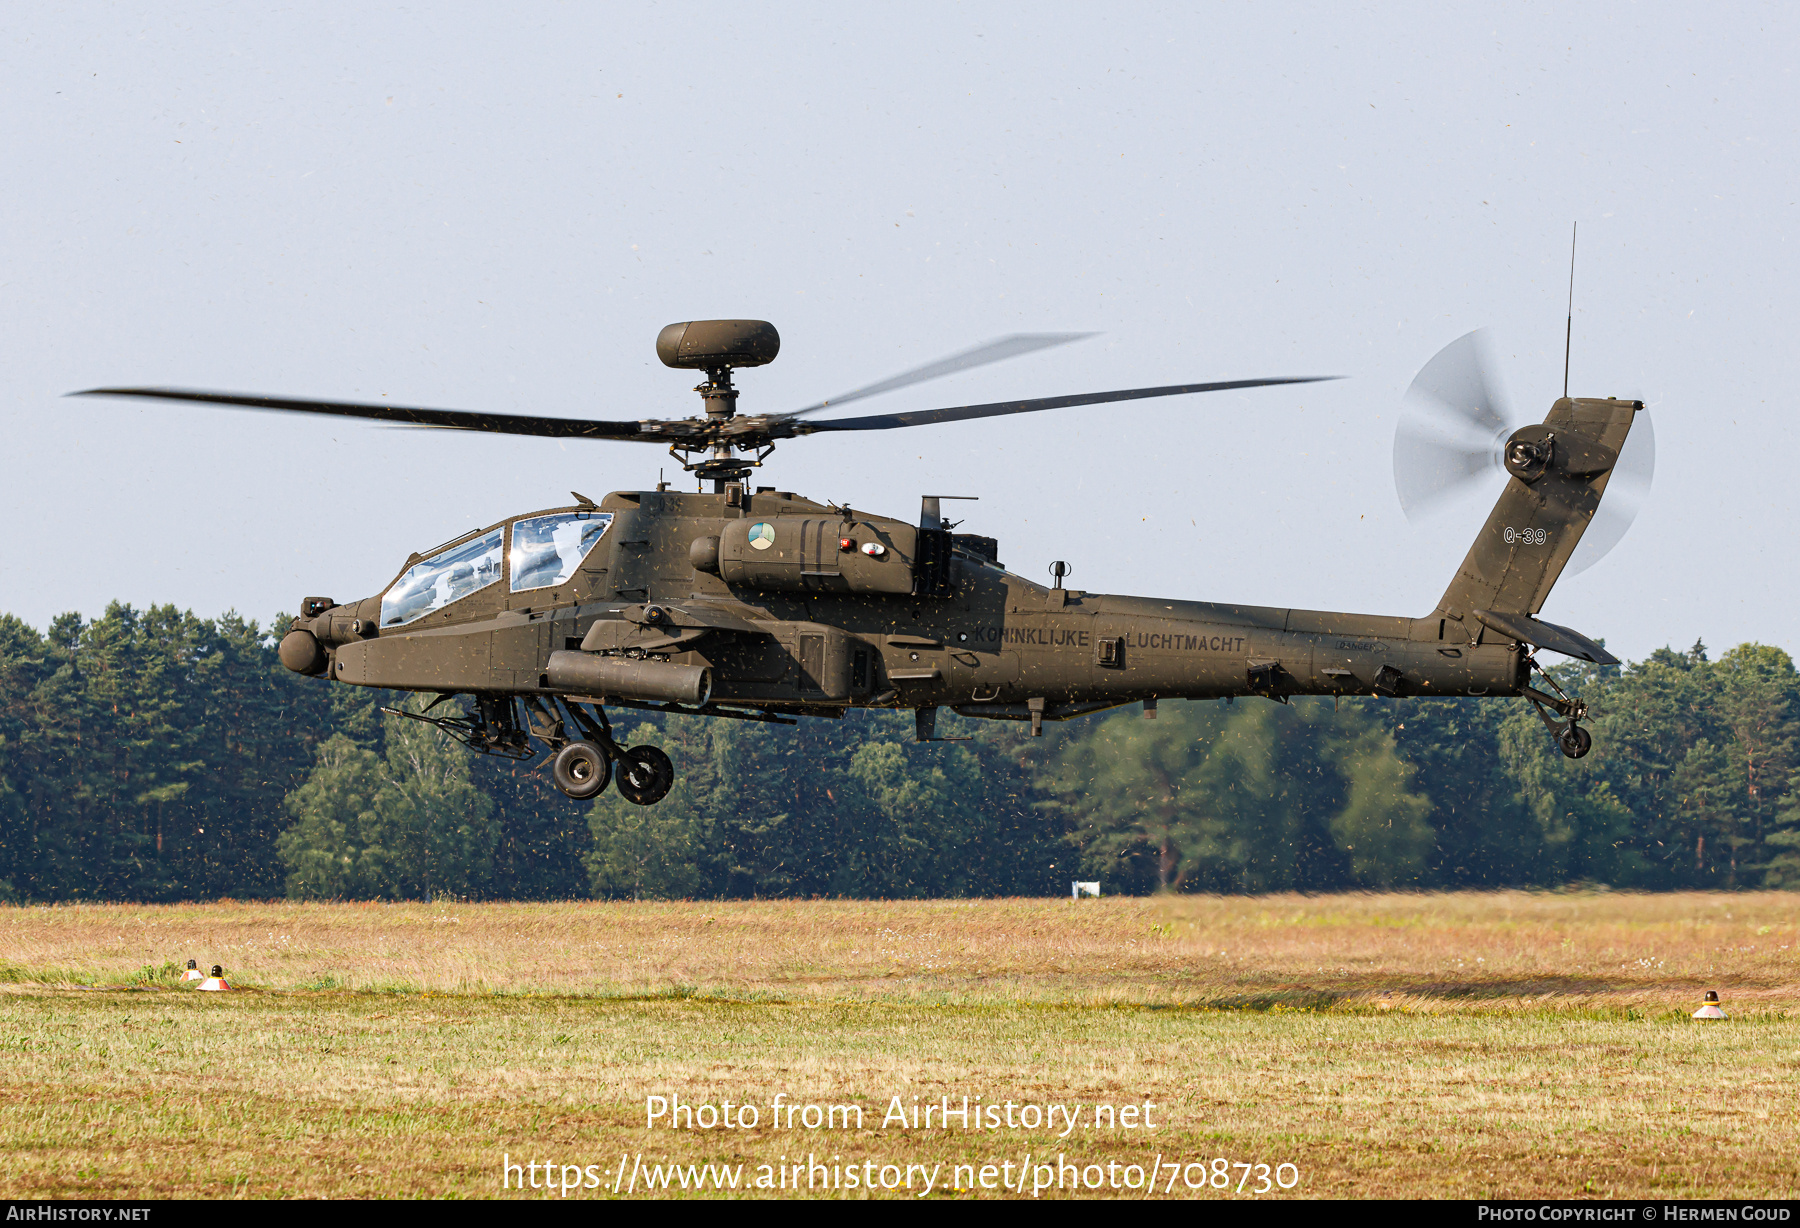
[1569, 324]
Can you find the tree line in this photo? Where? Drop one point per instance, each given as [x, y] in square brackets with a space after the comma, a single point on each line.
[153, 755]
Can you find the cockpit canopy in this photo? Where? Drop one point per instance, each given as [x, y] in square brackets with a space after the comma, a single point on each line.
[536, 551]
[546, 550]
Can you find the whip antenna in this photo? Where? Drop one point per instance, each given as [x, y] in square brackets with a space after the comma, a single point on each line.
[1569, 325]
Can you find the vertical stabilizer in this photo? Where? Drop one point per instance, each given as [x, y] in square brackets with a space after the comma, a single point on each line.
[1557, 473]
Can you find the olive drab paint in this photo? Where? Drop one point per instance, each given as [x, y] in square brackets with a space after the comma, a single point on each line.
[761, 604]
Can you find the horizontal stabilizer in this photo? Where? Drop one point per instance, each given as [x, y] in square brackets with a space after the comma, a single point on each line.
[1546, 635]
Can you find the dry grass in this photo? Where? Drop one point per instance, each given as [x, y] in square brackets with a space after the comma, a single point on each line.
[1398, 1045]
[1589, 948]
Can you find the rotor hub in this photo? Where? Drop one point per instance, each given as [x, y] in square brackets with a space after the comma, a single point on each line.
[718, 395]
[722, 469]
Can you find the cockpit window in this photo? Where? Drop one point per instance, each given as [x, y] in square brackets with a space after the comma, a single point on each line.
[446, 576]
[546, 550]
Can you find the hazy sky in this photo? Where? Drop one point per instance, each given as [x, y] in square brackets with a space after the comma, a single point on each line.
[449, 205]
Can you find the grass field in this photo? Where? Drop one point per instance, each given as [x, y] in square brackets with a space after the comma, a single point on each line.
[1466, 1045]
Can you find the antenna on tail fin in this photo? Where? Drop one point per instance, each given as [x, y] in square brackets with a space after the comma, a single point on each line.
[1569, 325]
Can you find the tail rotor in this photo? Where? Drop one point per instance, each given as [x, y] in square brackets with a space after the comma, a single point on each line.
[1454, 420]
[1450, 439]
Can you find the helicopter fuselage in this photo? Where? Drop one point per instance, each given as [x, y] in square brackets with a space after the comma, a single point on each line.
[761, 605]
[767, 603]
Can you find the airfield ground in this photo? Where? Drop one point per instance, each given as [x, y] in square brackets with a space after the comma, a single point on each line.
[1467, 1045]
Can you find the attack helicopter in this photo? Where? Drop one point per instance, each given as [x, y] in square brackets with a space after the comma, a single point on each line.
[752, 603]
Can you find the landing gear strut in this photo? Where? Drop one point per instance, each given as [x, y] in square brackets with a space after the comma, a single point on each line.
[583, 766]
[490, 728]
[1571, 738]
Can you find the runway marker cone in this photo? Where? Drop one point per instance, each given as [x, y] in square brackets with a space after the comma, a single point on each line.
[1710, 1009]
[216, 981]
[193, 973]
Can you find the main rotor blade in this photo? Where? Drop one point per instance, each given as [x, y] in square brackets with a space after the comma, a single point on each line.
[961, 413]
[407, 415]
[997, 350]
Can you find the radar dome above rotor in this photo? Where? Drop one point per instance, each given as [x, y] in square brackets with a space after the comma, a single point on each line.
[706, 345]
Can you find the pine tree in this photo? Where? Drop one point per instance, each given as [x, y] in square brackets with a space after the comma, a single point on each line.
[155, 755]
[1756, 691]
[668, 850]
[1483, 835]
[333, 849]
[1384, 826]
[405, 824]
[1251, 797]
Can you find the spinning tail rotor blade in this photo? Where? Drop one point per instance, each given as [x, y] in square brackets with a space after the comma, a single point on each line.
[1460, 381]
[1430, 470]
[1627, 491]
[1453, 422]
[997, 350]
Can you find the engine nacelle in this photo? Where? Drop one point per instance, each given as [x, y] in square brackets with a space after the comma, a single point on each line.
[819, 554]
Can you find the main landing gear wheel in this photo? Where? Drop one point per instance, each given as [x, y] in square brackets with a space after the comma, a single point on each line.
[645, 775]
[1571, 738]
[582, 770]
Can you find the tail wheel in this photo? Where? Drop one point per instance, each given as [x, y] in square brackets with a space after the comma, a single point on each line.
[645, 775]
[582, 770]
[1575, 741]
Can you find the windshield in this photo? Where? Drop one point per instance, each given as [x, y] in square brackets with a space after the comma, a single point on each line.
[546, 550]
[444, 577]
